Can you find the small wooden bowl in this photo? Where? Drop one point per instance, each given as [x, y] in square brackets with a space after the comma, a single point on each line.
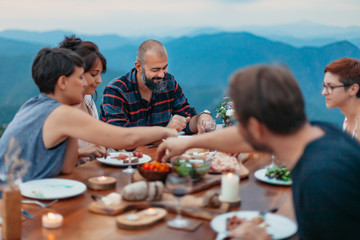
[152, 175]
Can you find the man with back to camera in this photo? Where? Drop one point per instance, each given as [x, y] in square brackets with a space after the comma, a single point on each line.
[149, 96]
[324, 161]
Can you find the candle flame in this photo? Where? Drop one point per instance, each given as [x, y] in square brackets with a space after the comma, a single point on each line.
[150, 210]
[229, 175]
[102, 178]
[51, 237]
[51, 215]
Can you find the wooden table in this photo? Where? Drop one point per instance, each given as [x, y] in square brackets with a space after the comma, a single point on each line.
[79, 223]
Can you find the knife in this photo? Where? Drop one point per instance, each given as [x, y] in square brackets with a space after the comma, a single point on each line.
[27, 214]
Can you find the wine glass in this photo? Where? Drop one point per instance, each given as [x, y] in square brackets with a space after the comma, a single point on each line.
[208, 125]
[179, 186]
[272, 164]
[130, 169]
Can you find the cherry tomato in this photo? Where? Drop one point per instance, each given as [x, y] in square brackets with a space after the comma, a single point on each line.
[146, 165]
[152, 167]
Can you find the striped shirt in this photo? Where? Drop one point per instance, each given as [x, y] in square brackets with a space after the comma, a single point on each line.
[122, 104]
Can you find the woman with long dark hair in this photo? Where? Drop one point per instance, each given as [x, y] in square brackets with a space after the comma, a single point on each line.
[95, 65]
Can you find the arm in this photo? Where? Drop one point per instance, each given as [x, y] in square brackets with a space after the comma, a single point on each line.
[66, 121]
[226, 140]
[71, 156]
[182, 107]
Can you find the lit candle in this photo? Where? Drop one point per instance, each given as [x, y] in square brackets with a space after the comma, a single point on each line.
[102, 179]
[229, 187]
[132, 217]
[150, 212]
[52, 220]
[101, 183]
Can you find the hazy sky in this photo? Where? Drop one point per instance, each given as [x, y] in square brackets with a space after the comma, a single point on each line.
[165, 17]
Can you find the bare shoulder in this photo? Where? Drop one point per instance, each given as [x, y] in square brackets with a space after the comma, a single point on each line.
[68, 112]
[65, 116]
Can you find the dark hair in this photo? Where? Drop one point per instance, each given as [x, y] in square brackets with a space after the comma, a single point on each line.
[348, 69]
[271, 95]
[52, 63]
[87, 50]
[148, 45]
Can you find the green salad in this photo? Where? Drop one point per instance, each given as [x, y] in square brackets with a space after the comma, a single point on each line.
[194, 169]
[278, 173]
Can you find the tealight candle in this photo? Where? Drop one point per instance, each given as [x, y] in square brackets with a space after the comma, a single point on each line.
[230, 188]
[52, 220]
[150, 212]
[101, 183]
[132, 217]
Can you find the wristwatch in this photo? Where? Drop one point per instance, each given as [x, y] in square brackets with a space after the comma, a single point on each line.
[205, 112]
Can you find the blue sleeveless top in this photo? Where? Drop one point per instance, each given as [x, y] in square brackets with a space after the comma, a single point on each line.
[27, 128]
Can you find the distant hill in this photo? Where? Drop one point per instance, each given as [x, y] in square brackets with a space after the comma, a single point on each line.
[299, 34]
[201, 64]
[12, 47]
[52, 38]
[305, 30]
[356, 41]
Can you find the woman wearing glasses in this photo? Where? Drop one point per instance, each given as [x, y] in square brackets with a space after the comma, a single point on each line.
[341, 89]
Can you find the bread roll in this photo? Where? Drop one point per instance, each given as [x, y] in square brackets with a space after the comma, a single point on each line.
[211, 199]
[140, 191]
[135, 192]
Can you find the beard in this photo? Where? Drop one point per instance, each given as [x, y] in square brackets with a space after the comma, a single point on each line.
[151, 84]
[255, 144]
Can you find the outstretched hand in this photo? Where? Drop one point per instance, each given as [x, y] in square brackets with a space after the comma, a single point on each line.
[171, 147]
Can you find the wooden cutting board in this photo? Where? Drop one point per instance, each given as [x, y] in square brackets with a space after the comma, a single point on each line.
[192, 206]
[243, 171]
[207, 182]
[143, 220]
[211, 179]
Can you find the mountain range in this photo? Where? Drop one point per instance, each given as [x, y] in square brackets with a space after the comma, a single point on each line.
[202, 64]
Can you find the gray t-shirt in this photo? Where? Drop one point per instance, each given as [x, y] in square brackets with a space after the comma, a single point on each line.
[27, 127]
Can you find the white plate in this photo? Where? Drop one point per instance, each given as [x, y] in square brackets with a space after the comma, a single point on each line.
[115, 162]
[52, 188]
[260, 175]
[279, 227]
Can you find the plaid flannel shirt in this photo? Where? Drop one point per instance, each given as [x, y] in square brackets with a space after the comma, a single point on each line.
[122, 104]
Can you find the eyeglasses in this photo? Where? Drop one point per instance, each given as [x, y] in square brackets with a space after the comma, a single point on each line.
[329, 89]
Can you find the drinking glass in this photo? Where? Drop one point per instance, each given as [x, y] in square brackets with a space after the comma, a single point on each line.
[130, 169]
[179, 186]
[208, 125]
[272, 164]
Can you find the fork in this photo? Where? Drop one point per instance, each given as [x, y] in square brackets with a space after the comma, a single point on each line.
[41, 204]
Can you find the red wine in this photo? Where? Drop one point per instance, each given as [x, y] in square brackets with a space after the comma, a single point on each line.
[179, 192]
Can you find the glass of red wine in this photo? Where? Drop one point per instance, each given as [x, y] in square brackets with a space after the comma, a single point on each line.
[179, 186]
